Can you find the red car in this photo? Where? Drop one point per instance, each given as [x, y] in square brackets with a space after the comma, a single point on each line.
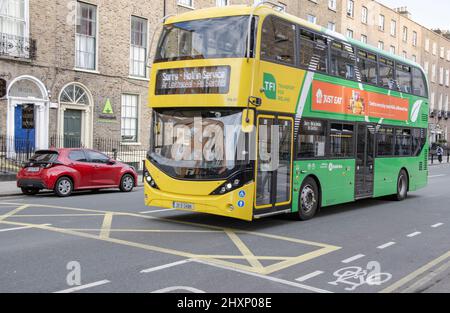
[67, 170]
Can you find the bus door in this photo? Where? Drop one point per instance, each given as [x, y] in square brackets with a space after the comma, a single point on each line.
[274, 164]
[365, 161]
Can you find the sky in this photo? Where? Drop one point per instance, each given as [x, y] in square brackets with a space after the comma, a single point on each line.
[430, 13]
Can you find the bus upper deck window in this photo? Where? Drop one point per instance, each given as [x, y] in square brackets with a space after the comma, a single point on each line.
[278, 40]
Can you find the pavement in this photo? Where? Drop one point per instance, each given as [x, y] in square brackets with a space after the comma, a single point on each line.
[110, 242]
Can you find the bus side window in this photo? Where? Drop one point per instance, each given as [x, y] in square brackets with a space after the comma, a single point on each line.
[387, 79]
[313, 51]
[367, 66]
[403, 142]
[341, 142]
[404, 78]
[419, 83]
[278, 41]
[312, 139]
[342, 60]
[385, 141]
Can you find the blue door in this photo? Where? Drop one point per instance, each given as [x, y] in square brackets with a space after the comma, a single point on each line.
[25, 132]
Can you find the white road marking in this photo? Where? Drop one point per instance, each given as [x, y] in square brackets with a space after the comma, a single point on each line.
[273, 279]
[417, 233]
[436, 176]
[309, 276]
[20, 228]
[386, 245]
[156, 211]
[353, 258]
[437, 225]
[82, 287]
[158, 268]
[179, 288]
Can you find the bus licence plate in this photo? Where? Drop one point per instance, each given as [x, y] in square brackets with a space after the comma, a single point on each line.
[183, 206]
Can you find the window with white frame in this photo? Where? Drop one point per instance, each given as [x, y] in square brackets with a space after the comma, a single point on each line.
[381, 20]
[447, 78]
[350, 8]
[414, 39]
[405, 54]
[222, 3]
[432, 101]
[433, 73]
[405, 34]
[446, 103]
[349, 33]
[441, 76]
[364, 15]
[129, 118]
[186, 3]
[392, 49]
[441, 102]
[393, 28]
[363, 38]
[427, 45]
[332, 5]
[448, 55]
[332, 26]
[434, 48]
[414, 58]
[311, 18]
[86, 36]
[138, 47]
[442, 53]
[426, 67]
[14, 17]
[381, 45]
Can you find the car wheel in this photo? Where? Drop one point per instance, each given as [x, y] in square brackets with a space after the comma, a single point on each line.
[309, 200]
[30, 191]
[402, 186]
[64, 187]
[127, 183]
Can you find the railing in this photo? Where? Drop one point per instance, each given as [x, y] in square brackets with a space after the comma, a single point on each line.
[14, 152]
[434, 158]
[17, 47]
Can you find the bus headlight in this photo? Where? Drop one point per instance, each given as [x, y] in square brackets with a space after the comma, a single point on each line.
[235, 182]
[149, 179]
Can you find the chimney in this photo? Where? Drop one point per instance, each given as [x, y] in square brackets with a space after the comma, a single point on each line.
[403, 11]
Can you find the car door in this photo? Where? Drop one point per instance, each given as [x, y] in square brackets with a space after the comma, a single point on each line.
[78, 161]
[103, 173]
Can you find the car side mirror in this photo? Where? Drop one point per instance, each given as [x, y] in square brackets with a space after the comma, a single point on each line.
[112, 162]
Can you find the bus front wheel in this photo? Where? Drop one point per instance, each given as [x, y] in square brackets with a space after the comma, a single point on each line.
[308, 200]
[402, 186]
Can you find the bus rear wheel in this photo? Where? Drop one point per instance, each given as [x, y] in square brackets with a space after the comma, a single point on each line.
[402, 186]
[308, 200]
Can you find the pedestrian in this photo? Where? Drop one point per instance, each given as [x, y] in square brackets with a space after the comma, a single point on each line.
[440, 153]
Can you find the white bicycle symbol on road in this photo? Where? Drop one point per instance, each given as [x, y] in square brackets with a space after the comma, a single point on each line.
[356, 277]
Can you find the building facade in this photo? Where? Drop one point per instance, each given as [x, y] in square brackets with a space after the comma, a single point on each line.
[74, 71]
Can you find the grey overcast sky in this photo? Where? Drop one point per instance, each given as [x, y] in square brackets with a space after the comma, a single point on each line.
[430, 13]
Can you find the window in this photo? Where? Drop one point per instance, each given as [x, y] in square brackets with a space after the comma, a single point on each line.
[129, 120]
[350, 33]
[403, 142]
[385, 141]
[342, 60]
[405, 34]
[311, 18]
[447, 78]
[363, 38]
[393, 28]
[433, 73]
[414, 40]
[432, 101]
[404, 54]
[381, 20]
[414, 58]
[380, 45]
[12, 18]
[278, 43]
[426, 67]
[222, 3]
[332, 5]
[97, 157]
[434, 48]
[364, 15]
[332, 26]
[427, 45]
[313, 51]
[386, 79]
[419, 83]
[85, 38]
[419, 138]
[350, 8]
[312, 139]
[77, 156]
[442, 53]
[138, 47]
[186, 3]
[341, 140]
[367, 65]
[404, 78]
[441, 76]
[392, 49]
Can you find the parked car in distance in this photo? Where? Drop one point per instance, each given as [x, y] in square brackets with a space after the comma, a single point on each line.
[68, 170]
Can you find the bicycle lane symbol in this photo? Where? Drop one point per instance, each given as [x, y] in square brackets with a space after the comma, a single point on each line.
[355, 276]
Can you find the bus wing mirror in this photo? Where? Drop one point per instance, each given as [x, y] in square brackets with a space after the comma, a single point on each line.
[248, 120]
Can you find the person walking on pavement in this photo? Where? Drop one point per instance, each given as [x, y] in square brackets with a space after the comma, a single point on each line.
[440, 153]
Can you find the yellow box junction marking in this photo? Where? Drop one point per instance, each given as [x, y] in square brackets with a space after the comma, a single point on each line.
[106, 230]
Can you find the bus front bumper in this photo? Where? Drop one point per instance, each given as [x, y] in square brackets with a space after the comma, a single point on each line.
[236, 204]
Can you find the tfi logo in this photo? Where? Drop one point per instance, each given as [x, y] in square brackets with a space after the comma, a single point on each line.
[270, 86]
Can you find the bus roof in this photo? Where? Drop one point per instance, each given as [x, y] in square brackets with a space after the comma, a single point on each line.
[264, 10]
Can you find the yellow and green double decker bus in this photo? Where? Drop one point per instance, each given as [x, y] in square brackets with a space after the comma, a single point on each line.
[256, 112]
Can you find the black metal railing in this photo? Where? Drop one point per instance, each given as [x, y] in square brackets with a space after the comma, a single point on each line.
[15, 152]
[17, 47]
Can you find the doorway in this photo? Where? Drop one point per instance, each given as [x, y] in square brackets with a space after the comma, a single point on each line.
[365, 161]
[72, 128]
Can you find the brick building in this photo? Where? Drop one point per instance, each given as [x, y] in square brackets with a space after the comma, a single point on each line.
[76, 70]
